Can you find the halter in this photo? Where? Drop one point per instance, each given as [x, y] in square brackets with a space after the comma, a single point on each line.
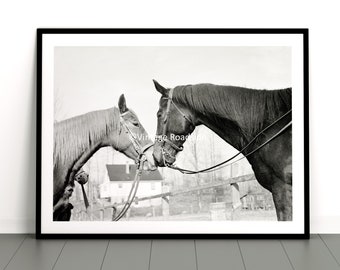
[164, 138]
[137, 146]
[219, 165]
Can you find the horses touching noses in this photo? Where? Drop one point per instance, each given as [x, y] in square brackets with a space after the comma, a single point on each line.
[150, 165]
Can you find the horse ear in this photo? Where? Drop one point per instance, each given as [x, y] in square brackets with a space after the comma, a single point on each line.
[122, 104]
[161, 89]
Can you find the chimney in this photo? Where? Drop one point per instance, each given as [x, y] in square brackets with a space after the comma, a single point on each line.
[127, 167]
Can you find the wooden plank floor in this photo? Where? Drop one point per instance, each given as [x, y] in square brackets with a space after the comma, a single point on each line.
[265, 254]
[321, 252]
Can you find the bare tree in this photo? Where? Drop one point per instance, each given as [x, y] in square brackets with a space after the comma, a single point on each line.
[194, 162]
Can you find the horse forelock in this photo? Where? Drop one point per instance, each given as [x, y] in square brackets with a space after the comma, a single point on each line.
[249, 108]
[73, 136]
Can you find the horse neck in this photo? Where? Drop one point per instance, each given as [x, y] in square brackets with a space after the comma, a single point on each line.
[75, 144]
[86, 134]
[244, 112]
[224, 128]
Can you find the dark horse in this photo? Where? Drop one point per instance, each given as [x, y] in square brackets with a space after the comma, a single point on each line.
[78, 138]
[237, 115]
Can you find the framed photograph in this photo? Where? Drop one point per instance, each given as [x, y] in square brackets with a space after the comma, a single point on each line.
[172, 133]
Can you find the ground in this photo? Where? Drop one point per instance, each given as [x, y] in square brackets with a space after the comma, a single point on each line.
[245, 215]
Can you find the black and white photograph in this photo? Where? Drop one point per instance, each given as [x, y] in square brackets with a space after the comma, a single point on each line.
[172, 133]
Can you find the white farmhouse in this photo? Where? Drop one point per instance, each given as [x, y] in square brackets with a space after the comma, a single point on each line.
[121, 177]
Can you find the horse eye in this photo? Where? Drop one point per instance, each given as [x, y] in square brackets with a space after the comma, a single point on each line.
[136, 124]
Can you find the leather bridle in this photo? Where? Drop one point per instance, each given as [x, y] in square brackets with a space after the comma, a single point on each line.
[137, 146]
[163, 139]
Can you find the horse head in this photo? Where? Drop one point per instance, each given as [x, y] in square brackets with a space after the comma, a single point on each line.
[175, 123]
[132, 139]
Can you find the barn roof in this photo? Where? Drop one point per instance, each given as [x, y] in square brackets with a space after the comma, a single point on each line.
[118, 173]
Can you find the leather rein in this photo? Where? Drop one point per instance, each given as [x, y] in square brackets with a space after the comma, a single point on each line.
[219, 165]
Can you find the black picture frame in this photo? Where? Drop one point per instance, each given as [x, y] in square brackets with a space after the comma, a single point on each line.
[185, 31]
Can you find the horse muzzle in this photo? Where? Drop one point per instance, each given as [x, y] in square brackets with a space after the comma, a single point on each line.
[158, 158]
[163, 158]
[149, 163]
[147, 166]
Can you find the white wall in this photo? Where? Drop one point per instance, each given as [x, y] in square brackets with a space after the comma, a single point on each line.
[19, 20]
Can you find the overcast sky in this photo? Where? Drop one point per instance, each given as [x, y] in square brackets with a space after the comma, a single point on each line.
[92, 78]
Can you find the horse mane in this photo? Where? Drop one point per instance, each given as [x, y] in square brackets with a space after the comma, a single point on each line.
[249, 108]
[74, 135]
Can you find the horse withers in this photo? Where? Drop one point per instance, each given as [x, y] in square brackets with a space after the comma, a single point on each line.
[78, 138]
[238, 115]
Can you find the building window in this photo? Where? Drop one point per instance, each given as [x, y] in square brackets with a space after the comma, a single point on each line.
[120, 185]
[260, 197]
[153, 186]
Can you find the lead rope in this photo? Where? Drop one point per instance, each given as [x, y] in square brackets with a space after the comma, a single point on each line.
[139, 170]
[217, 166]
[133, 190]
